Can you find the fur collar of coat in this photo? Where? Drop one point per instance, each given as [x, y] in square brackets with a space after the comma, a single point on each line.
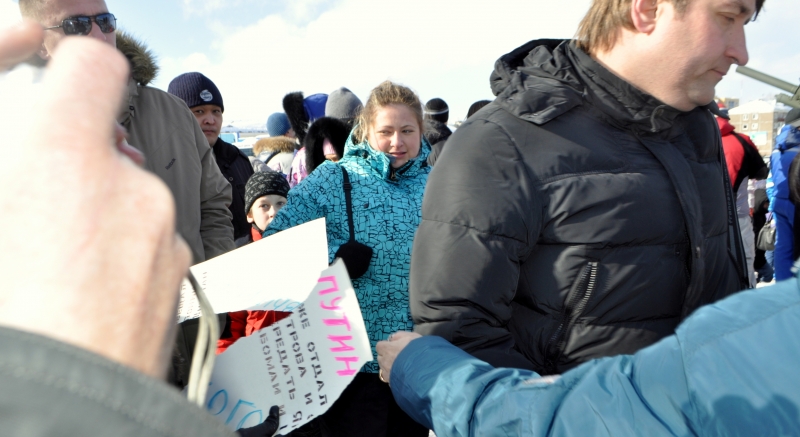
[143, 62]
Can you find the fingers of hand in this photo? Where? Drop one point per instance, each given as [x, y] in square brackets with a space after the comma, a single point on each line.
[386, 355]
[399, 335]
[121, 140]
[84, 85]
[19, 43]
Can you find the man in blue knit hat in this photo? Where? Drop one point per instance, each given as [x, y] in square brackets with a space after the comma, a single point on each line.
[205, 101]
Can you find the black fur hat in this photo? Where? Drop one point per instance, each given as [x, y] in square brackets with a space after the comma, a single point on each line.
[331, 128]
[302, 111]
[293, 107]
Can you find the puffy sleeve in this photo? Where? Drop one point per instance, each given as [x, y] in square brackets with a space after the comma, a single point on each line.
[477, 227]
[458, 395]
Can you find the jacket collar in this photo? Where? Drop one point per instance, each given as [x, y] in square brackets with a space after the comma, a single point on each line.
[621, 101]
[128, 110]
[543, 79]
[379, 163]
[225, 152]
[143, 71]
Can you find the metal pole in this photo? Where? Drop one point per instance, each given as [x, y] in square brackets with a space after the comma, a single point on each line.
[786, 100]
[769, 80]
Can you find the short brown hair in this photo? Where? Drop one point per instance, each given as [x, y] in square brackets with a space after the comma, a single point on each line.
[31, 9]
[387, 93]
[600, 26]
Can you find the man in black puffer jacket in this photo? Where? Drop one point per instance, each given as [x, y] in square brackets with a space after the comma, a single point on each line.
[579, 216]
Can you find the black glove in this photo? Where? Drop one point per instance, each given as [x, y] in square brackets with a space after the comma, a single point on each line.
[266, 429]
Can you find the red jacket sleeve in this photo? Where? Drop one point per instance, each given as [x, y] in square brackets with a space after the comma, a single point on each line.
[244, 323]
[238, 330]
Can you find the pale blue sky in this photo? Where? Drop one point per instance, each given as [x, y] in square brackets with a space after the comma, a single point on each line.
[256, 51]
[192, 26]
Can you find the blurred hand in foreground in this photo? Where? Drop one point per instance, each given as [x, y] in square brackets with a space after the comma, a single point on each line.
[88, 250]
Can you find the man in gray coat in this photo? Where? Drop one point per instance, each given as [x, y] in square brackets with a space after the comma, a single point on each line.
[158, 124]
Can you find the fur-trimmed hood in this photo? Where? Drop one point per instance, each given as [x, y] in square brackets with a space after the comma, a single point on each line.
[274, 144]
[143, 62]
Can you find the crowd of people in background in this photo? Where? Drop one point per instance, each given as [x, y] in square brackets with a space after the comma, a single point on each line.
[570, 260]
[765, 197]
[362, 167]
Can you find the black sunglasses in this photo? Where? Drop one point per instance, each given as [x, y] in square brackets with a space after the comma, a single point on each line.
[82, 25]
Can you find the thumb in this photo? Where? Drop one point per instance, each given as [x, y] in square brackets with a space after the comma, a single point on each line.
[67, 83]
[273, 421]
[268, 428]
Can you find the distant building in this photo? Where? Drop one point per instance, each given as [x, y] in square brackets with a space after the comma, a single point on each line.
[761, 120]
[728, 102]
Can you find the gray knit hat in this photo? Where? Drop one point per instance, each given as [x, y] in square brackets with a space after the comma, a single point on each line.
[264, 183]
[343, 104]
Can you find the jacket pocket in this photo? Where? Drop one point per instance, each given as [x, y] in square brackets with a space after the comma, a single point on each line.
[577, 298]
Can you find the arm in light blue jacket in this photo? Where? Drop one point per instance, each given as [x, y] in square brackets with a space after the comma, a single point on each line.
[730, 370]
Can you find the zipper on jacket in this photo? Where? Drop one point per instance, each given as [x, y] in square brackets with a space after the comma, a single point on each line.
[687, 262]
[574, 307]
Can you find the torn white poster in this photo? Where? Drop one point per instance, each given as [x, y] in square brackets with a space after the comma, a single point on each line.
[301, 363]
[237, 280]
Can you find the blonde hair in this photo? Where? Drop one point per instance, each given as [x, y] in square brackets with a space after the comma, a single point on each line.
[601, 25]
[387, 93]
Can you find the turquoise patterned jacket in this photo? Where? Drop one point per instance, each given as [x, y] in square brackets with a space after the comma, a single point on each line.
[387, 208]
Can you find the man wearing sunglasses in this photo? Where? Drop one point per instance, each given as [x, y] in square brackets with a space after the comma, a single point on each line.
[100, 26]
[159, 124]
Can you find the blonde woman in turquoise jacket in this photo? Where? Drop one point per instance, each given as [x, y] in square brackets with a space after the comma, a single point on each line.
[386, 161]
